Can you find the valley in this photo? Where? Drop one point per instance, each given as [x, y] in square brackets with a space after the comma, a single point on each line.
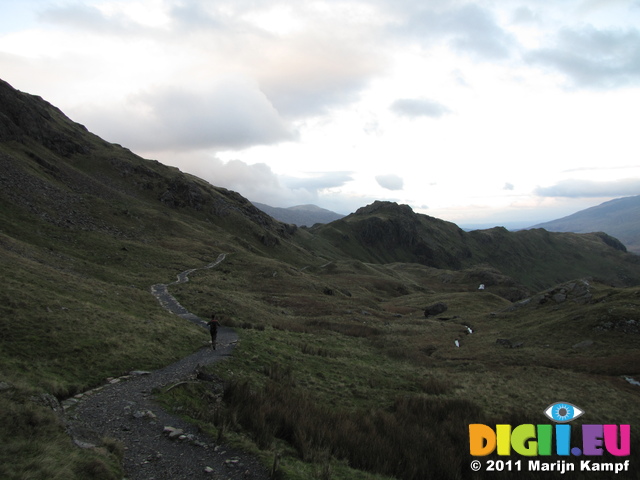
[337, 373]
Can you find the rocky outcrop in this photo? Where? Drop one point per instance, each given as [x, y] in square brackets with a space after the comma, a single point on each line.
[26, 118]
[506, 343]
[620, 324]
[578, 292]
[435, 309]
[611, 241]
[181, 193]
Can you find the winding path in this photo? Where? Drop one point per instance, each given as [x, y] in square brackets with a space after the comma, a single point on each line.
[125, 410]
[168, 301]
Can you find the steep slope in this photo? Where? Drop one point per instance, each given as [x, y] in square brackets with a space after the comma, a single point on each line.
[55, 171]
[619, 218]
[86, 227]
[385, 232]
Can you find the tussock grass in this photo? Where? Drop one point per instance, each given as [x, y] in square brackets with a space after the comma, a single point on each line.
[389, 393]
[389, 442]
[36, 446]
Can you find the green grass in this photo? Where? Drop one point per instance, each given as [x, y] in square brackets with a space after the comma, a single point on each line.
[83, 329]
[343, 375]
[335, 383]
[36, 446]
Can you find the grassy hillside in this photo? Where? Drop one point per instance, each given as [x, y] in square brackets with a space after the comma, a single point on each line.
[619, 218]
[338, 370]
[386, 232]
[86, 228]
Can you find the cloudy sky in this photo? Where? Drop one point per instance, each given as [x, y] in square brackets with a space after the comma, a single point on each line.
[489, 112]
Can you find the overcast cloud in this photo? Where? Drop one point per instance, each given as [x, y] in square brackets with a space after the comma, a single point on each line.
[231, 113]
[390, 181]
[292, 102]
[594, 58]
[589, 188]
[467, 27]
[418, 107]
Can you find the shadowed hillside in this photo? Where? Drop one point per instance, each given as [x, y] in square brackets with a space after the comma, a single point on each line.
[341, 371]
[385, 232]
[619, 218]
[86, 227]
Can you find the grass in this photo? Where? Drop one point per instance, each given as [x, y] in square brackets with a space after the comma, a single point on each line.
[367, 380]
[338, 374]
[116, 327]
[36, 446]
[76, 308]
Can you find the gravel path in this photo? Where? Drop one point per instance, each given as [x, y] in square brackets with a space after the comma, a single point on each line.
[125, 410]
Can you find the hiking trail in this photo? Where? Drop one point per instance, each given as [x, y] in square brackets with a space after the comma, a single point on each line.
[125, 410]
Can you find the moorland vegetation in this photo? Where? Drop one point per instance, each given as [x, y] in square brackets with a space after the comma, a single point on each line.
[338, 372]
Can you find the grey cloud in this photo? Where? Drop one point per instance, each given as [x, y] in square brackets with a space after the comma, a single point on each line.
[478, 33]
[304, 72]
[310, 74]
[390, 181]
[193, 15]
[319, 180]
[588, 188]
[468, 28]
[594, 58]
[524, 15]
[88, 18]
[232, 113]
[418, 107]
[259, 183]
[508, 186]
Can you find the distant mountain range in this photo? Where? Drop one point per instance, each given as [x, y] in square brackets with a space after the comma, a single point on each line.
[300, 215]
[619, 218]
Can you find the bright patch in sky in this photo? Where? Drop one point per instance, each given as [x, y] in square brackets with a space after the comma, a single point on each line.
[482, 113]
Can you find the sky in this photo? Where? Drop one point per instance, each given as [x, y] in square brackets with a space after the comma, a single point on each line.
[483, 113]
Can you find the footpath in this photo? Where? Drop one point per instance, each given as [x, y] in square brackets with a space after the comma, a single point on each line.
[157, 444]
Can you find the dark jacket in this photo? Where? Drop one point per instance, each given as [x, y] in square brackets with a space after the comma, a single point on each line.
[213, 326]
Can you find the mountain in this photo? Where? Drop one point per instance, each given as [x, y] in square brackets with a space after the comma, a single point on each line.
[300, 215]
[55, 171]
[338, 362]
[619, 218]
[86, 227]
[385, 232]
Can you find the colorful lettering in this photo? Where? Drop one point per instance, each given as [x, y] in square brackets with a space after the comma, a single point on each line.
[523, 440]
[530, 440]
[592, 436]
[611, 437]
[482, 440]
[563, 439]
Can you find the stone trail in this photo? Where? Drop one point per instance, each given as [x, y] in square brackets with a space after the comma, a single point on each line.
[157, 444]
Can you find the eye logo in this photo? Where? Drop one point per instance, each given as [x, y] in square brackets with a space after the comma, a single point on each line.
[563, 412]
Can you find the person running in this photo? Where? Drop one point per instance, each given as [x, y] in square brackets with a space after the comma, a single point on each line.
[213, 325]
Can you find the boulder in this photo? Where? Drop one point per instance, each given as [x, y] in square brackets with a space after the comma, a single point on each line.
[583, 344]
[435, 309]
